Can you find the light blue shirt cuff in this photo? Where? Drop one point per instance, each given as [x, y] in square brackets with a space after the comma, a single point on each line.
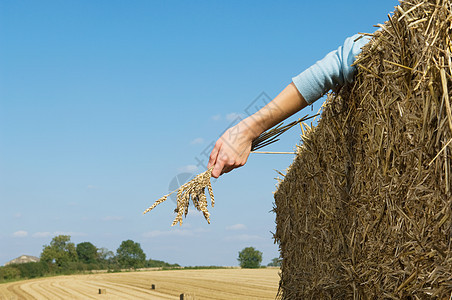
[333, 70]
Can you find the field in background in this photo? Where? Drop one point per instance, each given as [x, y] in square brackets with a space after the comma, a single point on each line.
[204, 284]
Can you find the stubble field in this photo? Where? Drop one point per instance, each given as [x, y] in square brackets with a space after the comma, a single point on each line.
[203, 284]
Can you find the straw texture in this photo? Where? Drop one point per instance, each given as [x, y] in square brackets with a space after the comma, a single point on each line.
[364, 211]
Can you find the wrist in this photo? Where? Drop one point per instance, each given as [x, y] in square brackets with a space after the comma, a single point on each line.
[252, 127]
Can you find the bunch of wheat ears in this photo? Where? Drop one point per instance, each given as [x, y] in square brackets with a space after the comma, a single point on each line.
[195, 188]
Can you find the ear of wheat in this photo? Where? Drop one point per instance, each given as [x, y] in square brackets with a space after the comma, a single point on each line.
[195, 189]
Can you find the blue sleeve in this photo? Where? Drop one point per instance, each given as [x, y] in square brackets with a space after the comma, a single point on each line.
[334, 69]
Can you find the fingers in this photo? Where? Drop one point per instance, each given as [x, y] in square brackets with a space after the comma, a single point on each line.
[223, 166]
[229, 154]
[233, 165]
[218, 169]
[214, 154]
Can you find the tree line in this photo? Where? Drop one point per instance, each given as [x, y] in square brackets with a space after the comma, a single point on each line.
[62, 256]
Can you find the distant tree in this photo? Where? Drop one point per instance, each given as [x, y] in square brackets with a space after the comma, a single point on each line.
[250, 258]
[105, 254]
[130, 255]
[60, 251]
[87, 252]
[276, 262]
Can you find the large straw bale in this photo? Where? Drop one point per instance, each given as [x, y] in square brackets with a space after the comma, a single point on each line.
[364, 211]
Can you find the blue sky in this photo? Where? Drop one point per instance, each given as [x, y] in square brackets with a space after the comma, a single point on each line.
[103, 103]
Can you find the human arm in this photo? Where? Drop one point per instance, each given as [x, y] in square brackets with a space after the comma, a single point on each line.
[233, 147]
[335, 69]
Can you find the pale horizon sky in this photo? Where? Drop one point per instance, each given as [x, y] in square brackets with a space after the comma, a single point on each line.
[104, 103]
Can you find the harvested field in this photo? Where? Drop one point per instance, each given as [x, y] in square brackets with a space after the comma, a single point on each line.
[204, 284]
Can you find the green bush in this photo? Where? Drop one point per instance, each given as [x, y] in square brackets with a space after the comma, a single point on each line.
[9, 273]
[94, 266]
[32, 269]
[152, 263]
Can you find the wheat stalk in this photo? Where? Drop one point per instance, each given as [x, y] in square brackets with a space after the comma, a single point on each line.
[195, 189]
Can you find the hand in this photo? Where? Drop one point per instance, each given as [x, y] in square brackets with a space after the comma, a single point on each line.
[232, 149]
